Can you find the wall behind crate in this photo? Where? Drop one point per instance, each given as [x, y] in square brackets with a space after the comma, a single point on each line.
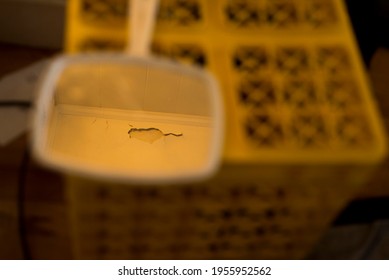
[35, 23]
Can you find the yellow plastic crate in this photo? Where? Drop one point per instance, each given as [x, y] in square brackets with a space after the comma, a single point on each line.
[302, 131]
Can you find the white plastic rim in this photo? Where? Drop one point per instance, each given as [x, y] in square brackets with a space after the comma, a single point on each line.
[141, 20]
[45, 101]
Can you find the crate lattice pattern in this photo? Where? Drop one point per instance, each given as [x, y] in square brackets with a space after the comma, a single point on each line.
[237, 13]
[272, 80]
[212, 221]
[286, 89]
[315, 107]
